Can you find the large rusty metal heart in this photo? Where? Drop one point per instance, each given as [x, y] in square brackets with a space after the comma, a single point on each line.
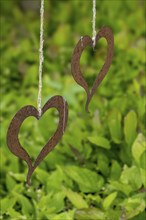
[12, 135]
[85, 41]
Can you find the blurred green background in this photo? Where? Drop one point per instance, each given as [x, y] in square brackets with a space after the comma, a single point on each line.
[97, 171]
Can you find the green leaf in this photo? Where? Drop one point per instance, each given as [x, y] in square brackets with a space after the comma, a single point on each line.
[88, 181]
[131, 176]
[19, 188]
[103, 164]
[6, 204]
[54, 159]
[109, 200]
[24, 202]
[100, 142]
[143, 176]
[10, 182]
[142, 160]
[126, 189]
[116, 214]
[64, 216]
[55, 201]
[15, 215]
[76, 199]
[114, 124]
[138, 147]
[42, 175]
[91, 213]
[130, 125]
[18, 176]
[133, 206]
[115, 170]
[57, 179]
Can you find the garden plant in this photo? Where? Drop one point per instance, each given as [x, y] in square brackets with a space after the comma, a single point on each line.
[98, 169]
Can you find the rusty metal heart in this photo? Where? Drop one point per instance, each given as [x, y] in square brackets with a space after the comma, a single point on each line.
[12, 135]
[85, 41]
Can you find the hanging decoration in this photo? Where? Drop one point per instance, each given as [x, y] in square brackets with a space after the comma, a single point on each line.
[104, 32]
[57, 102]
[12, 136]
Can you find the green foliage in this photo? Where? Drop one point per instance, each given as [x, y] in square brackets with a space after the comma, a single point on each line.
[98, 170]
[87, 180]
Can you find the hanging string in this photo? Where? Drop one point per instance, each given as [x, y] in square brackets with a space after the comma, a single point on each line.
[41, 58]
[94, 23]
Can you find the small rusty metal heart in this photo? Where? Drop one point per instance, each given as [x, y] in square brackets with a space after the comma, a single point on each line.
[106, 33]
[12, 135]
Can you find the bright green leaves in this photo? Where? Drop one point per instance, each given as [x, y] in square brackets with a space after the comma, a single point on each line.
[15, 214]
[115, 127]
[52, 202]
[114, 124]
[115, 170]
[25, 203]
[143, 176]
[130, 180]
[109, 200]
[91, 213]
[130, 125]
[7, 203]
[133, 206]
[55, 180]
[87, 180]
[121, 187]
[138, 147]
[76, 199]
[63, 216]
[41, 175]
[10, 182]
[100, 142]
[131, 176]
[103, 164]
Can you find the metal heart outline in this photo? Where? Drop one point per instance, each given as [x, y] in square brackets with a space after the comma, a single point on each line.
[104, 32]
[12, 134]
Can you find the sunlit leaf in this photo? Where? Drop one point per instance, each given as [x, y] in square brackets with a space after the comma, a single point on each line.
[109, 200]
[130, 124]
[76, 199]
[138, 147]
[88, 181]
[131, 176]
[100, 142]
[6, 204]
[91, 213]
[114, 124]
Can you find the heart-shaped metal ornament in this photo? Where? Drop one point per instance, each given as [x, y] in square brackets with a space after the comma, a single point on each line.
[85, 41]
[12, 135]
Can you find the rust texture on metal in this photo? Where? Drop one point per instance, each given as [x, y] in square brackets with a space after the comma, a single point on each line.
[12, 135]
[106, 33]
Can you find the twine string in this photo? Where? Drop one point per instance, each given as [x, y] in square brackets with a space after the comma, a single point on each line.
[41, 57]
[94, 23]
